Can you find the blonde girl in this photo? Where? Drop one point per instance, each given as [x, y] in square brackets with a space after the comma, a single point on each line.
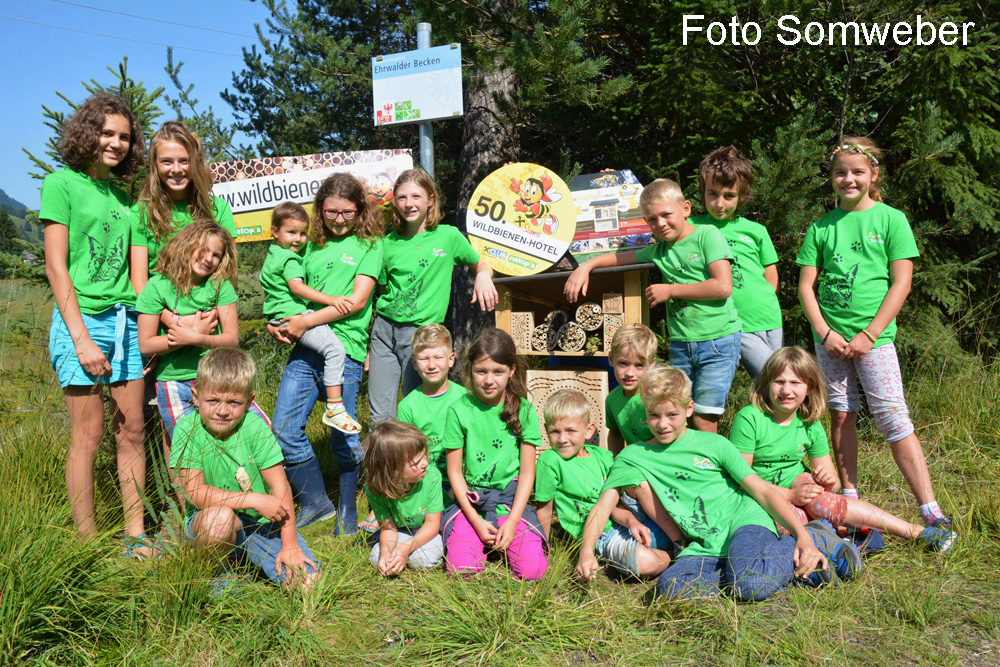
[856, 270]
[93, 340]
[782, 424]
[405, 494]
[490, 436]
[343, 258]
[196, 272]
[419, 257]
[177, 190]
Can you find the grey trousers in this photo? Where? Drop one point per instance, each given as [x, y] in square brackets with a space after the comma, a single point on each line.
[390, 352]
[757, 347]
[429, 555]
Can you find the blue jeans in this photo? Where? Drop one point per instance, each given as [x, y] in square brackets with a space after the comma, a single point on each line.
[298, 393]
[711, 365]
[758, 565]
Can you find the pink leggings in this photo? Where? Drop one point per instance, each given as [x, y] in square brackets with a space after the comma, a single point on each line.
[465, 553]
[878, 372]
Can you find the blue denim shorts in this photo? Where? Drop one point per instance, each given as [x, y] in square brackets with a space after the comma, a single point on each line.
[259, 543]
[711, 365]
[116, 334]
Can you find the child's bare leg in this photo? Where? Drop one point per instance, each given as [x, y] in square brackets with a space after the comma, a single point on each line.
[844, 437]
[909, 456]
[86, 414]
[302, 581]
[707, 423]
[215, 530]
[861, 514]
[333, 393]
[653, 508]
[651, 562]
[129, 429]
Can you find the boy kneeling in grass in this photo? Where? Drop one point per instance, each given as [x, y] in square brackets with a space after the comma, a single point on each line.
[570, 477]
[723, 509]
[229, 465]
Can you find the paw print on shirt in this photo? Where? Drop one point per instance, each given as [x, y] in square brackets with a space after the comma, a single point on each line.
[838, 257]
[672, 495]
[481, 456]
[422, 263]
[856, 246]
[497, 443]
[683, 476]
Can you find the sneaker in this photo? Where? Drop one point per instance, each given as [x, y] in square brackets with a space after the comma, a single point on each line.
[867, 541]
[843, 558]
[938, 536]
[339, 419]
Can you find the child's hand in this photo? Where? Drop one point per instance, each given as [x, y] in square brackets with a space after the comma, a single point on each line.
[269, 507]
[91, 358]
[806, 557]
[486, 531]
[835, 345]
[343, 304]
[204, 323]
[484, 293]
[396, 561]
[801, 495]
[280, 334]
[505, 535]
[826, 479]
[657, 294]
[641, 534]
[577, 284]
[587, 567]
[296, 326]
[150, 365]
[182, 336]
[858, 347]
[291, 562]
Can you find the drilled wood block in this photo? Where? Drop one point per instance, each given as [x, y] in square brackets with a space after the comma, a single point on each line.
[613, 302]
[594, 385]
[612, 323]
[522, 324]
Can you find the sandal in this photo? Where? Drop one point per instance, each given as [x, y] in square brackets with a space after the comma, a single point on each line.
[341, 420]
[133, 543]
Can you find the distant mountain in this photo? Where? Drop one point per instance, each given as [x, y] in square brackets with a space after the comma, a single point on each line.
[12, 206]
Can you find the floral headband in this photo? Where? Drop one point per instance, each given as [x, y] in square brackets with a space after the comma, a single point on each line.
[854, 147]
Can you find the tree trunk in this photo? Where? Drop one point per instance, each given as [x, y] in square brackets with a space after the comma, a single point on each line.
[488, 140]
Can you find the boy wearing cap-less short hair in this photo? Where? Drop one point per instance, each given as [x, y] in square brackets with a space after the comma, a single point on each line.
[229, 465]
[697, 283]
[569, 480]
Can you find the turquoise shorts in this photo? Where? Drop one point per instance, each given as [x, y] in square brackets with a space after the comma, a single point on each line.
[114, 331]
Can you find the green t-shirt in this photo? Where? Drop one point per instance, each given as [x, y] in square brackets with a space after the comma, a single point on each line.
[492, 455]
[331, 269]
[686, 262]
[143, 236]
[627, 416]
[182, 363]
[280, 266]
[409, 511]
[429, 413]
[852, 252]
[574, 484]
[752, 249]
[777, 450]
[417, 275]
[96, 214]
[251, 445]
[697, 478]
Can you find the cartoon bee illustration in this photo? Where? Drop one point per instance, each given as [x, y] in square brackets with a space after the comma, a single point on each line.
[380, 186]
[535, 196]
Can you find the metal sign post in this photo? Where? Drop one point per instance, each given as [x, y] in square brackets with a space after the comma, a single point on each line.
[424, 128]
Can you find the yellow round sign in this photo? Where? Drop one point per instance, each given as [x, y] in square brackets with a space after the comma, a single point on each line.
[521, 219]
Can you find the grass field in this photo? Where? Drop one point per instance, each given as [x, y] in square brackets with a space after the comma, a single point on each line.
[63, 602]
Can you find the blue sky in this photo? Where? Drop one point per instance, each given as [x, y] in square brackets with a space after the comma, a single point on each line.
[39, 60]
